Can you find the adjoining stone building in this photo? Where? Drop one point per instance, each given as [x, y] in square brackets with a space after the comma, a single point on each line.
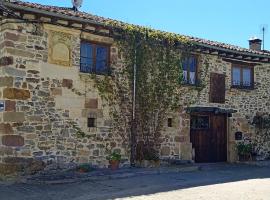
[53, 113]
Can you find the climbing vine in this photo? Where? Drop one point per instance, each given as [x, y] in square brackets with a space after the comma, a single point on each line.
[262, 136]
[157, 56]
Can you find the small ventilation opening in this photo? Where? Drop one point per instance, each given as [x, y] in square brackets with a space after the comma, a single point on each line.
[170, 122]
[91, 122]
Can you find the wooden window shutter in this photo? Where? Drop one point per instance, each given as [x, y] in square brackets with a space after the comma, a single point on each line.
[217, 88]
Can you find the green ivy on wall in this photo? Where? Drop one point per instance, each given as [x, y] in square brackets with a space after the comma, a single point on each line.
[158, 57]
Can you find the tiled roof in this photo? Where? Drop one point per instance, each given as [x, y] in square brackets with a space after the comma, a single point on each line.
[87, 16]
[61, 10]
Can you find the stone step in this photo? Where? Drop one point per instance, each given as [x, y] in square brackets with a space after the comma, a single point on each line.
[73, 177]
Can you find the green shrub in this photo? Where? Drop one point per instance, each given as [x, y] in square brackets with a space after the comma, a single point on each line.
[244, 149]
[114, 156]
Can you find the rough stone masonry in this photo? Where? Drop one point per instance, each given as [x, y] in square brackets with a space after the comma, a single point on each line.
[44, 95]
[42, 99]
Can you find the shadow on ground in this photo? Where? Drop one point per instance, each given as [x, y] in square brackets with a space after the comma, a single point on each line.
[210, 174]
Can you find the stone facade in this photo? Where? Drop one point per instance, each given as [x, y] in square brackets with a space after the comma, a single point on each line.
[247, 103]
[47, 98]
[45, 95]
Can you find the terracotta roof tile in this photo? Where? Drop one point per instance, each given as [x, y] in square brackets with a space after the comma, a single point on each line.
[98, 19]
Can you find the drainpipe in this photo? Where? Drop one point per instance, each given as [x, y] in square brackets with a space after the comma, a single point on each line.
[133, 123]
[134, 84]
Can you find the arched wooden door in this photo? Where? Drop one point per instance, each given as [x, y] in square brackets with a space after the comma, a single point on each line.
[208, 135]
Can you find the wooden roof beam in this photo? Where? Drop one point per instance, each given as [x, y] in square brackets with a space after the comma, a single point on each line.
[264, 59]
[247, 58]
[222, 54]
[239, 57]
[206, 51]
[256, 58]
[214, 52]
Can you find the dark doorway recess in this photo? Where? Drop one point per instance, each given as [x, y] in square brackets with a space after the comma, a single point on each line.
[208, 135]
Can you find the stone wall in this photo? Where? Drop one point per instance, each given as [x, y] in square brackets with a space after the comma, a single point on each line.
[247, 103]
[48, 102]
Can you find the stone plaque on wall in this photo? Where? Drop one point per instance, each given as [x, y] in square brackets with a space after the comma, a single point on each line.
[60, 48]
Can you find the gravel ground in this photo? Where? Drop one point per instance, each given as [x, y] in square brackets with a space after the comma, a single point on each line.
[217, 182]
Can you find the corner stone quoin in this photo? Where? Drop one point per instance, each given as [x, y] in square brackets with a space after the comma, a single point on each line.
[15, 93]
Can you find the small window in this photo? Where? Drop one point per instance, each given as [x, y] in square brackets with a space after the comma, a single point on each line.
[199, 122]
[91, 122]
[190, 70]
[242, 77]
[236, 76]
[2, 106]
[94, 58]
[170, 122]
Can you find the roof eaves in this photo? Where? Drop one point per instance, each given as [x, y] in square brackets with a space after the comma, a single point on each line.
[231, 50]
[6, 10]
[67, 16]
[50, 13]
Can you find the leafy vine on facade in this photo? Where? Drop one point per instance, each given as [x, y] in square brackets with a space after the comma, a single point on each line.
[262, 137]
[157, 56]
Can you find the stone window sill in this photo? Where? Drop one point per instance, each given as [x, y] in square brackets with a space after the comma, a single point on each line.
[243, 88]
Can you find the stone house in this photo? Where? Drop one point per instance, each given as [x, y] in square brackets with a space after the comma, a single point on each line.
[52, 111]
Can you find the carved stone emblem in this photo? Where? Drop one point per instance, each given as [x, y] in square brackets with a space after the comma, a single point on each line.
[60, 48]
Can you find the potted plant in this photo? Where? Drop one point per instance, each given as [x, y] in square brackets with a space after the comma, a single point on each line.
[114, 160]
[244, 151]
[84, 168]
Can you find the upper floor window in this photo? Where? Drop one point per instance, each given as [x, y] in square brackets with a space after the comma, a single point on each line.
[94, 58]
[242, 76]
[190, 70]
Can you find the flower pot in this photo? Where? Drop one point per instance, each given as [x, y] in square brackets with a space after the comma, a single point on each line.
[114, 164]
[81, 170]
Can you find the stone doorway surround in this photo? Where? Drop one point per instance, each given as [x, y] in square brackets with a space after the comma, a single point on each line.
[217, 111]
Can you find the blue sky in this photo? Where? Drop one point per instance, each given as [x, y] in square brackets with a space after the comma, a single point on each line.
[229, 21]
